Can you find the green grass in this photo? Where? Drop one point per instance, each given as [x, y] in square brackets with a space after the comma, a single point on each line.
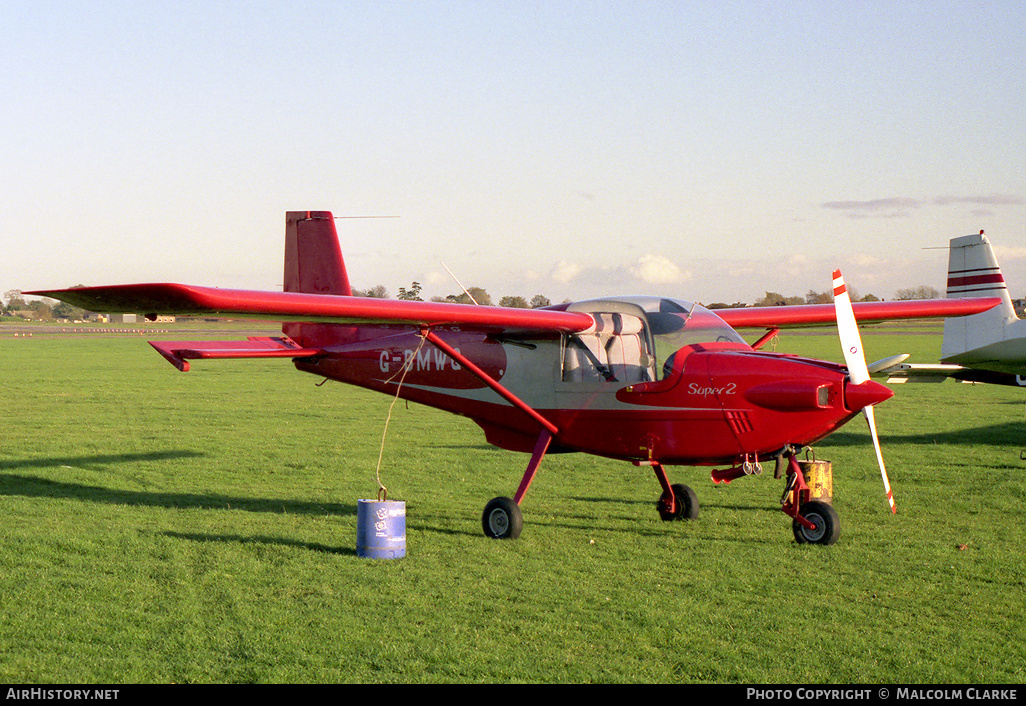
[167, 527]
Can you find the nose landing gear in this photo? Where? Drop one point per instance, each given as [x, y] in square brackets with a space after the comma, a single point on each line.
[814, 521]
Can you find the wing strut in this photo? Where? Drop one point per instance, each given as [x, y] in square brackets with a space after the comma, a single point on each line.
[548, 431]
[540, 447]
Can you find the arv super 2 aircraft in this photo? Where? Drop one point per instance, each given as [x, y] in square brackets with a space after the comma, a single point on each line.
[650, 380]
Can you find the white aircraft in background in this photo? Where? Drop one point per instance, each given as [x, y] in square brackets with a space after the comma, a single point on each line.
[986, 347]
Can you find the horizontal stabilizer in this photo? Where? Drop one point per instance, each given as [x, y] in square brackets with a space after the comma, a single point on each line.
[179, 352]
[886, 363]
[918, 372]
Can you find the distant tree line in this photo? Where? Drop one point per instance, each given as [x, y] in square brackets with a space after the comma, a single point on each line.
[920, 292]
[480, 296]
[473, 295]
[16, 306]
[813, 297]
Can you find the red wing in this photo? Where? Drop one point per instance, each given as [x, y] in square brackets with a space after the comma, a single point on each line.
[817, 314]
[152, 299]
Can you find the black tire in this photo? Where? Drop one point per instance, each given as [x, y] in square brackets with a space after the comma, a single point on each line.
[824, 516]
[502, 519]
[686, 504]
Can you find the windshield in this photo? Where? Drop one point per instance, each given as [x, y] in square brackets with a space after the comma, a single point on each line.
[683, 329]
[672, 330]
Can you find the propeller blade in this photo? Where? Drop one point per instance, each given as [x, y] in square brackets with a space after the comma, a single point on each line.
[848, 330]
[868, 411]
[858, 371]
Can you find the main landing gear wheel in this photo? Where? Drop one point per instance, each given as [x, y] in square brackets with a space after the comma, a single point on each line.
[686, 505]
[824, 516]
[502, 519]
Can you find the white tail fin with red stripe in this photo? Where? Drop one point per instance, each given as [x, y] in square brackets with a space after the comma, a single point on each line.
[973, 271]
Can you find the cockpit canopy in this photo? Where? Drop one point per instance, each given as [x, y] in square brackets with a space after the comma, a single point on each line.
[635, 338]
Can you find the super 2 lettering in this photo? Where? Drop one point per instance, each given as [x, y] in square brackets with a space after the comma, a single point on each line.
[728, 389]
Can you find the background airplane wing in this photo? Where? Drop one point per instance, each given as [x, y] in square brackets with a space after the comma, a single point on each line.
[939, 372]
[823, 314]
[184, 300]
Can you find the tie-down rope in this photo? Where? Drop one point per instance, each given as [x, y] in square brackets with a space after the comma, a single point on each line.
[407, 365]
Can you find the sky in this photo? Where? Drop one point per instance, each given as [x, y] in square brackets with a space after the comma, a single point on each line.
[709, 151]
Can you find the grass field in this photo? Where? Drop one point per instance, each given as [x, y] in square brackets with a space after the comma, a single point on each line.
[168, 527]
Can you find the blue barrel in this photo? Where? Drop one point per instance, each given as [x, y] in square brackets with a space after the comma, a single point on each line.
[381, 529]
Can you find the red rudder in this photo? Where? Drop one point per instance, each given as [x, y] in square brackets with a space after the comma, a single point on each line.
[313, 258]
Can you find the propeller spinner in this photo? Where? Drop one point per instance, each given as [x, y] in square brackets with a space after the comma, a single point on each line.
[858, 371]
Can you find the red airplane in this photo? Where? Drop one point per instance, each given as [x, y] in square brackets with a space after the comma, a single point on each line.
[650, 380]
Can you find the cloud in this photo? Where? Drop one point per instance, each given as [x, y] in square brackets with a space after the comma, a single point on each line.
[896, 207]
[1009, 253]
[865, 260]
[565, 271]
[875, 204]
[902, 206]
[656, 269]
[989, 200]
[436, 279]
[647, 271]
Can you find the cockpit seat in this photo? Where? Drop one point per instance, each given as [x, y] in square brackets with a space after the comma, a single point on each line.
[626, 351]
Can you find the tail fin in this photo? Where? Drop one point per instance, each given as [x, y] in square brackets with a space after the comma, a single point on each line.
[973, 272]
[313, 259]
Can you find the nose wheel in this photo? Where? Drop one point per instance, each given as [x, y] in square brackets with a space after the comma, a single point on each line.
[813, 521]
[826, 526]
